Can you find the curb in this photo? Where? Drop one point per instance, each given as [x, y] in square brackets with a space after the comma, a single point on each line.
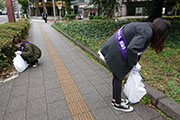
[164, 103]
[159, 99]
[15, 75]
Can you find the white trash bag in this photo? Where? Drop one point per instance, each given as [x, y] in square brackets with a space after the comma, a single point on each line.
[100, 55]
[19, 64]
[134, 88]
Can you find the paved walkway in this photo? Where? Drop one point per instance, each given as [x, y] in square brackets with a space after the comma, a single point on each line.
[66, 85]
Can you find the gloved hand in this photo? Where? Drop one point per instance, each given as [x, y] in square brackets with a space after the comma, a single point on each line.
[18, 52]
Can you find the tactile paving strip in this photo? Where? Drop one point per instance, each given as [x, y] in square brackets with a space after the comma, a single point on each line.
[84, 116]
[78, 109]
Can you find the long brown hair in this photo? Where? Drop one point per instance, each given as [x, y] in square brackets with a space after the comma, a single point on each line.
[18, 40]
[160, 33]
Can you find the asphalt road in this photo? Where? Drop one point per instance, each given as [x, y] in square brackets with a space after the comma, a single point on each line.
[3, 19]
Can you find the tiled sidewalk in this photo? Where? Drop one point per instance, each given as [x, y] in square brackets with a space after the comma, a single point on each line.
[46, 93]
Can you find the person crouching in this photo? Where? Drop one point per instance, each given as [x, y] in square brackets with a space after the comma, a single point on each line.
[28, 51]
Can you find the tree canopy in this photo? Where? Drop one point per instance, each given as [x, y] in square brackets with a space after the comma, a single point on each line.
[2, 4]
[157, 5]
[68, 6]
[105, 6]
[24, 4]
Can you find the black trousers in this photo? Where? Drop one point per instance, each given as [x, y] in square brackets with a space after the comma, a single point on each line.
[45, 19]
[117, 88]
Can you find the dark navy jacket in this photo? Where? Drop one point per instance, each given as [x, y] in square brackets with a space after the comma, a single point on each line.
[137, 36]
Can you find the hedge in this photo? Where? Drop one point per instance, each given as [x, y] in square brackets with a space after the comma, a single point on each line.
[91, 34]
[7, 32]
[99, 17]
[70, 16]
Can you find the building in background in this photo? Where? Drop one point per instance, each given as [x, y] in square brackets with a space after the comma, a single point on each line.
[83, 8]
[120, 9]
[16, 6]
[136, 7]
[36, 7]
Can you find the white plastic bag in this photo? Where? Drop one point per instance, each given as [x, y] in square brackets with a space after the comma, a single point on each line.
[100, 55]
[134, 88]
[19, 64]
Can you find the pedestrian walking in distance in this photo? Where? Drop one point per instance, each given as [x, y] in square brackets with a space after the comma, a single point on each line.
[124, 49]
[28, 51]
[44, 16]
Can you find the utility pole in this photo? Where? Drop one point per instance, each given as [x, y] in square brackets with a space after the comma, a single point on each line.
[10, 11]
[54, 11]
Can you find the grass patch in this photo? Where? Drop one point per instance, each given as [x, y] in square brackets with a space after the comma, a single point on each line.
[168, 118]
[146, 100]
[162, 71]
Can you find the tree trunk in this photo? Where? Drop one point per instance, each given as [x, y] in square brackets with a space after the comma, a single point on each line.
[44, 7]
[111, 11]
[119, 8]
[68, 6]
[10, 11]
[99, 9]
[175, 12]
[112, 7]
[37, 8]
[156, 10]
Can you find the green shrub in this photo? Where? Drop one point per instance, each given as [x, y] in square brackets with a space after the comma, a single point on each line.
[137, 19]
[174, 35]
[172, 18]
[70, 16]
[97, 17]
[105, 17]
[7, 32]
[91, 17]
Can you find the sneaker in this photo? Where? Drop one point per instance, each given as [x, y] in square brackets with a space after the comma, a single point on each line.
[35, 65]
[113, 103]
[125, 108]
[123, 102]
